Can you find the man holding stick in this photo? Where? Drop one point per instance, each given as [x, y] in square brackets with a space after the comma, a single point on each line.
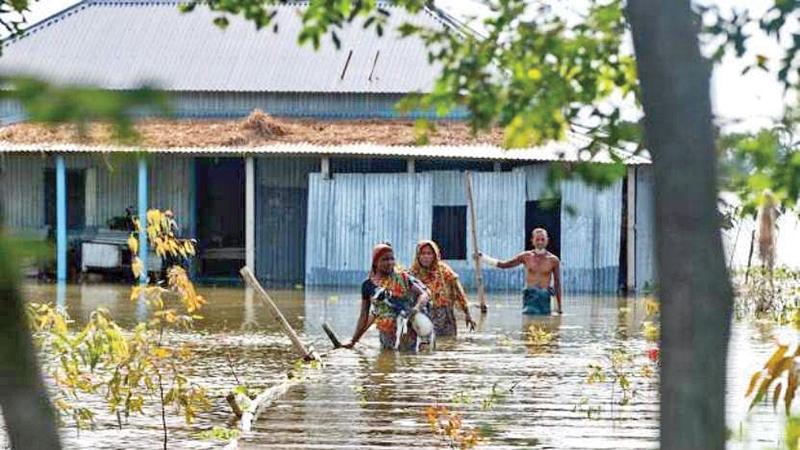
[541, 267]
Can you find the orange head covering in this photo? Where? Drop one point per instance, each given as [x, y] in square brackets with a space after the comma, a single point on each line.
[377, 252]
[417, 267]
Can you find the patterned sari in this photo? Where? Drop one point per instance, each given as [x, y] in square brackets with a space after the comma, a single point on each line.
[397, 286]
[446, 290]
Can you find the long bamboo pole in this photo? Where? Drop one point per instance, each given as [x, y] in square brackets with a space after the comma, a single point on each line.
[473, 221]
[302, 350]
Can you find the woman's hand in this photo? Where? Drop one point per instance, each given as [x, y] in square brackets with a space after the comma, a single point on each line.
[470, 323]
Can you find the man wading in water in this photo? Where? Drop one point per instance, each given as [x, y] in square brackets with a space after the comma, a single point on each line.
[540, 267]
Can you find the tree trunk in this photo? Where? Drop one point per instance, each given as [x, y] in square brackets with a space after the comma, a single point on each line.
[693, 284]
[24, 400]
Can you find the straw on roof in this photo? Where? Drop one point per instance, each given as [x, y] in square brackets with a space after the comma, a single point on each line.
[257, 130]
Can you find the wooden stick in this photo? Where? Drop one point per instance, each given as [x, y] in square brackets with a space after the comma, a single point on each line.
[250, 279]
[231, 399]
[331, 335]
[478, 272]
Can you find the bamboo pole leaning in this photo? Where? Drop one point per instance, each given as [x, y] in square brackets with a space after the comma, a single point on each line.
[474, 233]
[306, 352]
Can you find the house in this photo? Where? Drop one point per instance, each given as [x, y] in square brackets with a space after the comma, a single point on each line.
[302, 196]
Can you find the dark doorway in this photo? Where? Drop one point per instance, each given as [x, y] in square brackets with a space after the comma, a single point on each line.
[544, 214]
[281, 235]
[220, 216]
[76, 198]
[449, 231]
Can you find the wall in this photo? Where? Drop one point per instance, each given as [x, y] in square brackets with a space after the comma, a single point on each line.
[111, 182]
[349, 213]
[645, 229]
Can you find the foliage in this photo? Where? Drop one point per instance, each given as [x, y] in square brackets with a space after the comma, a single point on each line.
[218, 433]
[50, 104]
[450, 427]
[728, 30]
[538, 335]
[618, 369]
[792, 433]
[128, 369]
[162, 239]
[762, 165]
[125, 368]
[651, 328]
[534, 70]
[778, 378]
[774, 296]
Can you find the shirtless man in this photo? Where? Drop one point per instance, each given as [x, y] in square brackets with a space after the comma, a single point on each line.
[540, 267]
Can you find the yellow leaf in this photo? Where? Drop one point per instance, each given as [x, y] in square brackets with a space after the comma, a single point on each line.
[133, 244]
[137, 267]
[752, 385]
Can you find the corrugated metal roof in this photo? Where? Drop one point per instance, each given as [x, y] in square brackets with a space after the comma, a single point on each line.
[567, 151]
[123, 44]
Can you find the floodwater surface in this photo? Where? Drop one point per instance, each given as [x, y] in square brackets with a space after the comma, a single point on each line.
[514, 391]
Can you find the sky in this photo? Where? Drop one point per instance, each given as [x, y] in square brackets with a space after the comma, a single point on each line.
[740, 102]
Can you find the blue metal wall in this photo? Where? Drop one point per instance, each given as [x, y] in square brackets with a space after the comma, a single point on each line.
[349, 213]
[110, 189]
[591, 221]
[287, 104]
[645, 229]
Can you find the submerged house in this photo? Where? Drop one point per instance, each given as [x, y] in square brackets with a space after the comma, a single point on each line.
[304, 196]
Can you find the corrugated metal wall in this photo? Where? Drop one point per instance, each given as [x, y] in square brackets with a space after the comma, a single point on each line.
[22, 192]
[591, 220]
[645, 229]
[331, 105]
[281, 218]
[115, 181]
[350, 213]
[499, 199]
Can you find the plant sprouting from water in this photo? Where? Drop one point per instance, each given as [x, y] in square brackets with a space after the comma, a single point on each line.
[779, 378]
[127, 369]
[449, 426]
[538, 335]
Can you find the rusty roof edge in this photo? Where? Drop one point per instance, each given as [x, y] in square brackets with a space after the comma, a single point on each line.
[551, 152]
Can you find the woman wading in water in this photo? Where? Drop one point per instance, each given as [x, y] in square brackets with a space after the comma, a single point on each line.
[384, 294]
[446, 290]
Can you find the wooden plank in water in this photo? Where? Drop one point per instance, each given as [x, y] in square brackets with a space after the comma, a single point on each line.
[304, 351]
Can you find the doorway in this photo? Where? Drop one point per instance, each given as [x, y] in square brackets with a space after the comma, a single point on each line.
[545, 214]
[220, 216]
[76, 198]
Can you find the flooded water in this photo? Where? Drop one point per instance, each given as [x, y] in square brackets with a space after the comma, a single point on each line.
[519, 394]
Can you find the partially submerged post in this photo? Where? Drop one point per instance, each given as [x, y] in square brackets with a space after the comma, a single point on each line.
[306, 353]
[473, 221]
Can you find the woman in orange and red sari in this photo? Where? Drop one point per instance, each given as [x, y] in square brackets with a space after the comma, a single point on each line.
[385, 290]
[446, 290]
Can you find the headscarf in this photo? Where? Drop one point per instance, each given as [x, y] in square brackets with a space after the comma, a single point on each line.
[417, 266]
[377, 252]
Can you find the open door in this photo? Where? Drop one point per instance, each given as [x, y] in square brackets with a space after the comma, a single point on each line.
[76, 198]
[544, 214]
[220, 216]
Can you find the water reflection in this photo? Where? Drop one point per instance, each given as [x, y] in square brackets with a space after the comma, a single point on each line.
[370, 398]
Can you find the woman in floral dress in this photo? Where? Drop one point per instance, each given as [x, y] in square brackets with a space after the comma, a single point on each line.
[446, 291]
[387, 291]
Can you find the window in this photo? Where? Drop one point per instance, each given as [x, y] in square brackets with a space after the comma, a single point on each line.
[450, 231]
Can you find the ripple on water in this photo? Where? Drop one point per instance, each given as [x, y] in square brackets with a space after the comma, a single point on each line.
[373, 399]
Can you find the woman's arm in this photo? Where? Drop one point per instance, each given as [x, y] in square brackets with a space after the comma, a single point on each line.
[362, 325]
[460, 298]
